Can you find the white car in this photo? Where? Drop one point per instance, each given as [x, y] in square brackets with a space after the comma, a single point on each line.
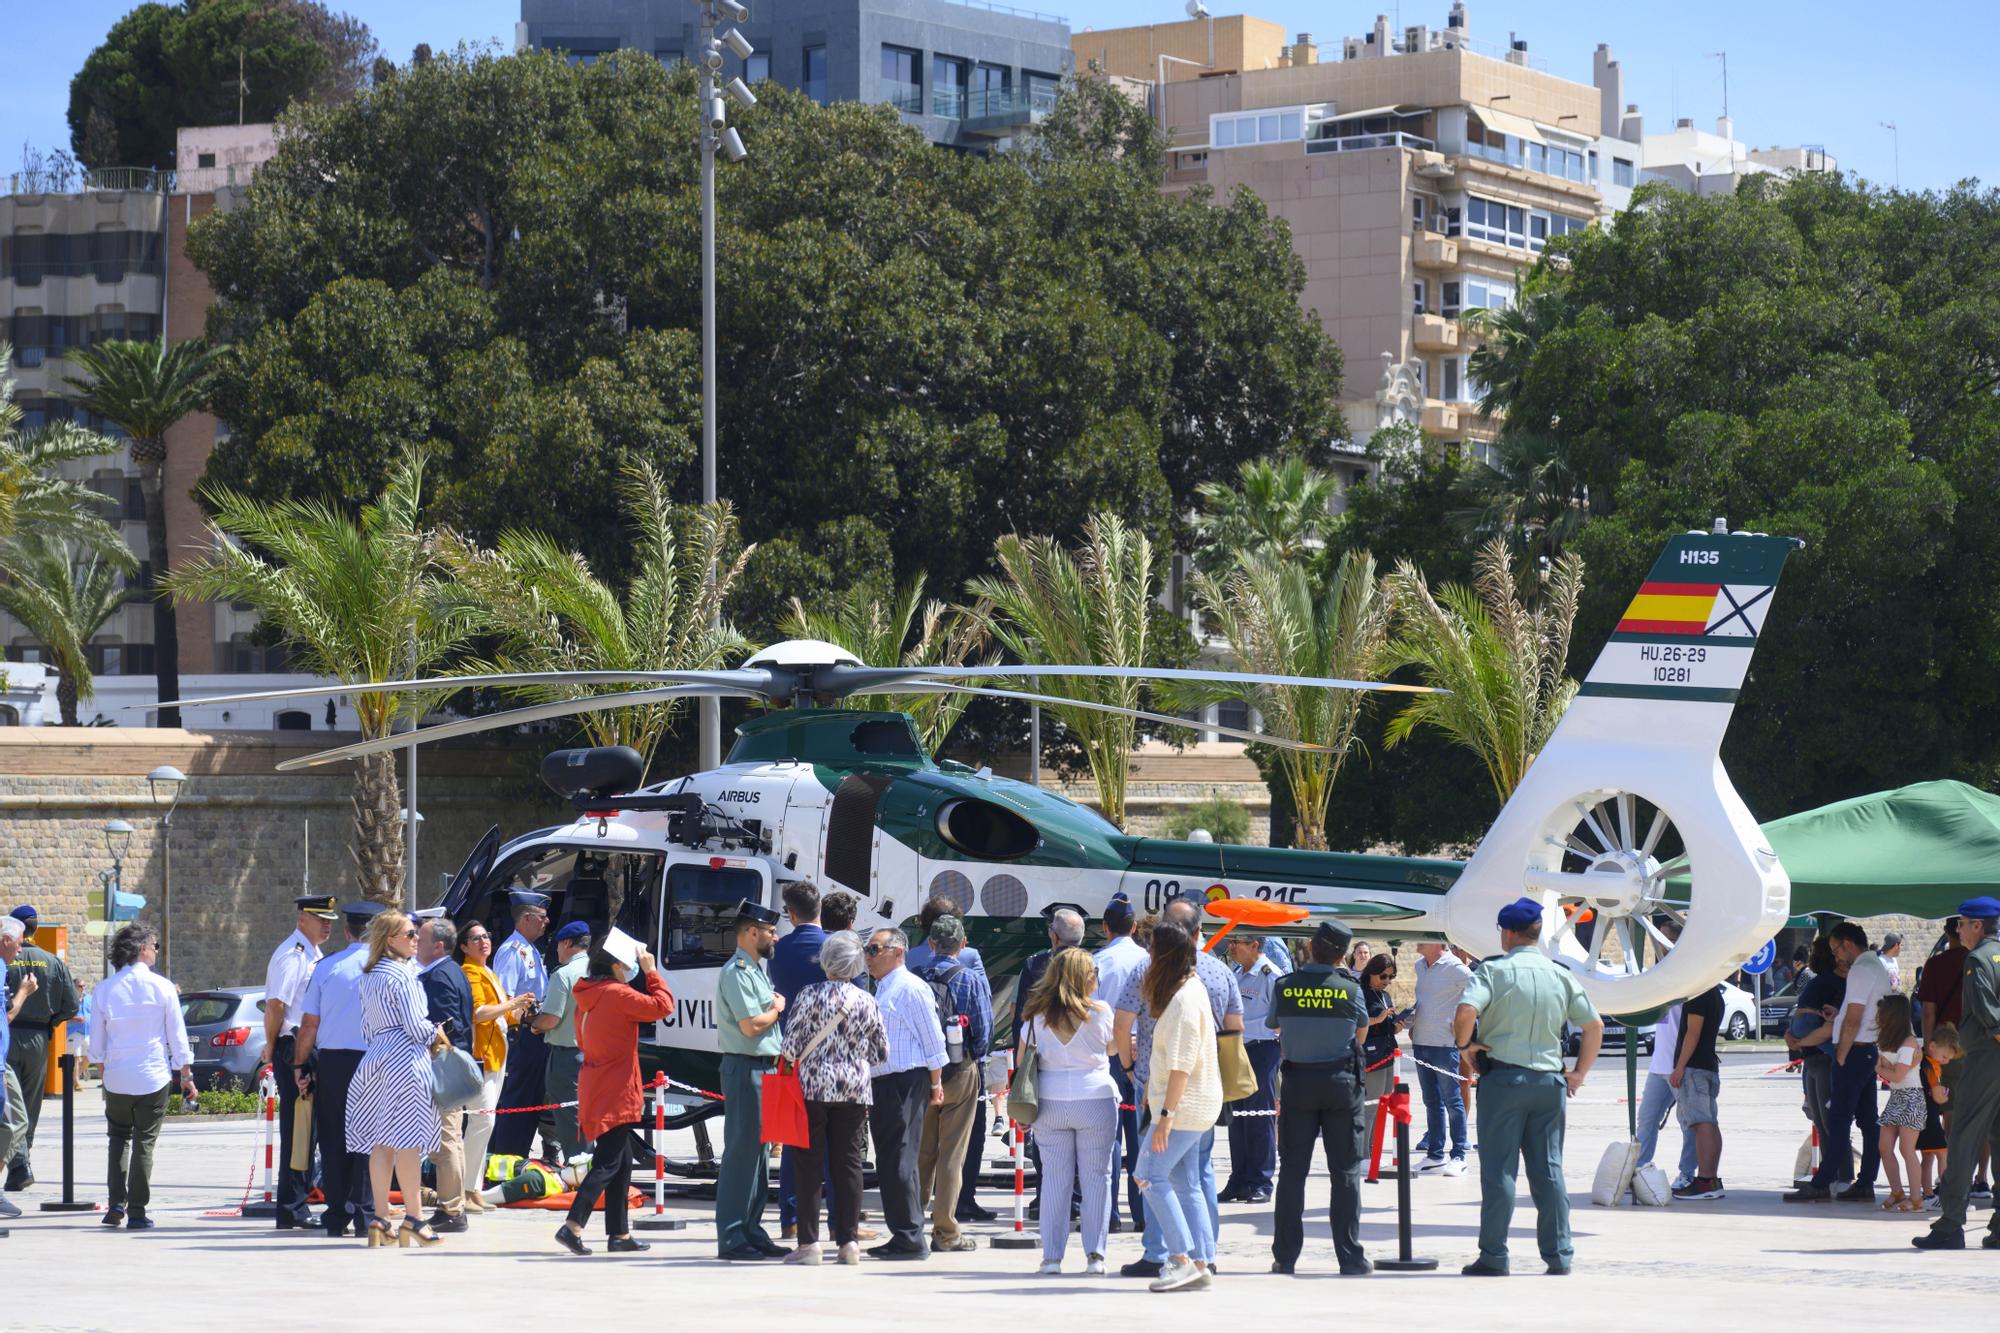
[1739, 1012]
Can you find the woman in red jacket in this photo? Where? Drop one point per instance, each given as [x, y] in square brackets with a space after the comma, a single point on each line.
[609, 1014]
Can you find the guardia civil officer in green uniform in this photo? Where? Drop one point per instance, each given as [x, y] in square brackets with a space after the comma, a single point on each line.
[1317, 1012]
[747, 1012]
[1519, 1003]
[1975, 1098]
[53, 1003]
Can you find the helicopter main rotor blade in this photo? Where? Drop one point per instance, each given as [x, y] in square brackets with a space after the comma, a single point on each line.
[858, 680]
[751, 680]
[1166, 719]
[471, 726]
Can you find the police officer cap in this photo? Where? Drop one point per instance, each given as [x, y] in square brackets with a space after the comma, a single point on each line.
[1976, 909]
[574, 930]
[363, 910]
[1521, 914]
[25, 914]
[753, 912]
[522, 899]
[1118, 912]
[1332, 932]
[321, 905]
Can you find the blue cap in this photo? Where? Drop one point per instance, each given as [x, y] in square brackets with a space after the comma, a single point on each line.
[363, 910]
[1118, 912]
[1976, 909]
[574, 930]
[522, 899]
[1521, 914]
[25, 914]
[752, 911]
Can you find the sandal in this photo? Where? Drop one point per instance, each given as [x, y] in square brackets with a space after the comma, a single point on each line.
[1909, 1205]
[1894, 1203]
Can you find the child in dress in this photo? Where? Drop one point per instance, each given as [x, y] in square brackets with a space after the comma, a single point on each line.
[1897, 1064]
[1939, 1050]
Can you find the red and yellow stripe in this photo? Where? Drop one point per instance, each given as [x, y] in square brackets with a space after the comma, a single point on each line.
[1670, 608]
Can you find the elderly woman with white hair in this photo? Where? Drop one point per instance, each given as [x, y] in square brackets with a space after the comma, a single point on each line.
[834, 1036]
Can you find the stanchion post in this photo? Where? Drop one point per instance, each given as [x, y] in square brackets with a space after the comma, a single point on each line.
[267, 1091]
[657, 1140]
[68, 1203]
[1405, 1261]
[1018, 1238]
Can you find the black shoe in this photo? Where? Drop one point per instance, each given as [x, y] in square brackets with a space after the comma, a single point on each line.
[1257, 1196]
[1141, 1268]
[1990, 1241]
[895, 1251]
[1281, 1269]
[772, 1248]
[442, 1222]
[1941, 1238]
[19, 1178]
[625, 1245]
[306, 1223]
[745, 1254]
[113, 1217]
[1809, 1193]
[1558, 1270]
[975, 1214]
[1360, 1268]
[1857, 1194]
[570, 1240]
[1480, 1268]
[138, 1221]
[1230, 1195]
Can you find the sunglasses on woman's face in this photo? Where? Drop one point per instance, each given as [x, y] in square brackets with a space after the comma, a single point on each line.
[477, 939]
[410, 934]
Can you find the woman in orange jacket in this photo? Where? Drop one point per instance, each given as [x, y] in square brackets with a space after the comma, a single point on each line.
[609, 1014]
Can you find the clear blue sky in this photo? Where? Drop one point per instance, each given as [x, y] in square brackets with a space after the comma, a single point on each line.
[1825, 73]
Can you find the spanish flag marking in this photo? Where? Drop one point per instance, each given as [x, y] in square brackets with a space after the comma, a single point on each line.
[1669, 608]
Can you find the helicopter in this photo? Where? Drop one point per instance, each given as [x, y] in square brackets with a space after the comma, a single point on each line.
[1627, 803]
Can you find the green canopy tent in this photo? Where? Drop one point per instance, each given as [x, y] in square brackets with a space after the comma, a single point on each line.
[1915, 851]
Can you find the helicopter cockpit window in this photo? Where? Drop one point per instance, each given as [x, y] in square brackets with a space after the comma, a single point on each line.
[701, 912]
[986, 831]
[884, 738]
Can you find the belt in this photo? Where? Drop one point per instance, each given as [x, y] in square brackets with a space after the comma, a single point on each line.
[1524, 1069]
[1318, 1066]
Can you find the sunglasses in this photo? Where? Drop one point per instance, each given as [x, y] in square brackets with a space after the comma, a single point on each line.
[877, 950]
[410, 934]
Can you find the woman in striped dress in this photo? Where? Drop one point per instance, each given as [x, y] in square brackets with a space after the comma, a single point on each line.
[390, 1114]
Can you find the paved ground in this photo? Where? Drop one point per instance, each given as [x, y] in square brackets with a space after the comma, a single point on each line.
[1684, 1266]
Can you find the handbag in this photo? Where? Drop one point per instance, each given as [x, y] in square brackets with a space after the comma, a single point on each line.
[1022, 1103]
[456, 1079]
[782, 1104]
[1239, 1078]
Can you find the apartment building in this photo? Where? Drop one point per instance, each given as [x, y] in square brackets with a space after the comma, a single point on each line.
[968, 73]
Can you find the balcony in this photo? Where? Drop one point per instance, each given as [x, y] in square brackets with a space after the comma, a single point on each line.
[1357, 143]
[1435, 250]
[996, 113]
[907, 98]
[1440, 417]
[1435, 333]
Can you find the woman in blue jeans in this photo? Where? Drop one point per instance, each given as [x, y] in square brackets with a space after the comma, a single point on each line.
[1184, 1095]
[1077, 1124]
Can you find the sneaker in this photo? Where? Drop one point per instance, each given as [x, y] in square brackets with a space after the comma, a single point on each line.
[804, 1254]
[1932, 1203]
[1202, 1280]
[1682, 1182]
[1431, 1164]
[1050, 1268]
[1455, 1167]
[1176, 1277]
[1980, 1189]
[1701, 1187]
[850, 1254]
[1094, 1266]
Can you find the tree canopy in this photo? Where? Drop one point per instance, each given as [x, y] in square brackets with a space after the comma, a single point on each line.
[919, 351]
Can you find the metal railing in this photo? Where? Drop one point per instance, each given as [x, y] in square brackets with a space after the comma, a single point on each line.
[1034, 14]
[1354, 143]
[948, 102]
[1036, 100]
[65, 178]
[907, 98]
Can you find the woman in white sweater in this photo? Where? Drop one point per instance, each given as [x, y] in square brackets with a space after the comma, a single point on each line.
[1077, 1125]
[1184, 1094]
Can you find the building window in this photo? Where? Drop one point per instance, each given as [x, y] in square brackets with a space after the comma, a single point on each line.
[1500, 224]
[1593, 166]
[1622, 172]
[814, 74]
[1487, 294]
[951, 79]
[670, 56]
[1450, 379]
[293, 719]
[1544, 227]
[1233, 713]
[1280, 126]
[902, 80]
[1042, 90]
[757, 67]
[992, 91]
[580, 50]
[1417, 295]
[1417, 212]
[1452, 299]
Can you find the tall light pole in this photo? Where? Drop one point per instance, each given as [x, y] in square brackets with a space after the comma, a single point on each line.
[117, 841]
[1896, 145]
[165, 783]
[715, 129]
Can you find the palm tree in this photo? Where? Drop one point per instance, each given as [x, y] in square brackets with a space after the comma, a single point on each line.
[1511, 335]
[553, 613]
[63, 592]
[361, 601]
[881, 636]
[1533, 494]
[1089, 608]
[1283, 507]
[143, 389]
[1500, 666]
[1281, 621]
[33, 499]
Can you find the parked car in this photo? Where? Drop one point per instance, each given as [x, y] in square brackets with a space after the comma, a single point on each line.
[1737, 1020]
[1739, 1012]
[1614, 1037]
[1774, 1019]
[226, 1031]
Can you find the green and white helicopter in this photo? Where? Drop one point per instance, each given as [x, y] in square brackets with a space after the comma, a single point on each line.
[1628, 794]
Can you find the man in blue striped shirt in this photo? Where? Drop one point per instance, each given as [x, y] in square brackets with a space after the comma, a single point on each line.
[903, 1085]
[948, 1125]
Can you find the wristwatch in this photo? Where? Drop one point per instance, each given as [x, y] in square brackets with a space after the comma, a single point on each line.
[1166, 1115]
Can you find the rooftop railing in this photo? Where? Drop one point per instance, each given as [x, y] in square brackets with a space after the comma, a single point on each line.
[1354, 143]
[1034, 14]
[68, 178]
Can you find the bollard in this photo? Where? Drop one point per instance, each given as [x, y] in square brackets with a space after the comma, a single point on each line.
[1404, 1262]
[1018, 1238]
[657, 1142]
[69, 1203]
[267, 1090]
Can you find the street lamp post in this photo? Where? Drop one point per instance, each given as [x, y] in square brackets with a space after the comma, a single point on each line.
[714, 128]
[165, 783]
[117, 841]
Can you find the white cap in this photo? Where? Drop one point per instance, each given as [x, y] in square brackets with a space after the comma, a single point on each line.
[622, 947]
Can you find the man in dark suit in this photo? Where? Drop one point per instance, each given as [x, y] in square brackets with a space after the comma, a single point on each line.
[450, 998]
[795, 966]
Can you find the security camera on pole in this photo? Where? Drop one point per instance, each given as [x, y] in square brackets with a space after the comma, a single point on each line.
[715, 129]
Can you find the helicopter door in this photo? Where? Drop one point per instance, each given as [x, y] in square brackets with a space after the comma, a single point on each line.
[459, 891]
[698, 917]
[850, 833]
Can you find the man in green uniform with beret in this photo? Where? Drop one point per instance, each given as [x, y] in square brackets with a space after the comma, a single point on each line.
[1519, 1003]
[1975, 1098]
[1317, 1012]
[746, 1010]
[52, 1004]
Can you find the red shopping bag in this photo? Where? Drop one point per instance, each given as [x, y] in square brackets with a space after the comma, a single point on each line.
[785, 1107]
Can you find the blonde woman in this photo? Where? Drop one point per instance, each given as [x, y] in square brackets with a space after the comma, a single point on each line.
[390, 1115]
[1077, 1125]
[1184, 1094]
[492, 1015]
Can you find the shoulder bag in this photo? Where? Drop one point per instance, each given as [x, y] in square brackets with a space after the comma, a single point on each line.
[782, 1105]
[1023, 1105]
[1239, 1078]
[456, 1079]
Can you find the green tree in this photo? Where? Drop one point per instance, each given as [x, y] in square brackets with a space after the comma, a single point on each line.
[1282, 508]
[63, 593]
[1508, 339]
[907, 630]
[34, 499]
[1499, 666]
[144, 389]
[1531, 494]
[1089, 607]
[361, 600]
[164, 66]
[552, 612]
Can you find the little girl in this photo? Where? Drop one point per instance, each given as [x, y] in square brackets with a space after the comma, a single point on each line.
[1940, 1049]
[1896, 1064]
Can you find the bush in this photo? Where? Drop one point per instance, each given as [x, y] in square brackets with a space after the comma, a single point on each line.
[232, 1100]
[1226, 820]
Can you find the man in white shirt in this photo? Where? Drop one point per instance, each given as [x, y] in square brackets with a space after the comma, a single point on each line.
[1851, 1098]
[1441, 979]
[137, 1035]
[1117, 962]
[902, 1085]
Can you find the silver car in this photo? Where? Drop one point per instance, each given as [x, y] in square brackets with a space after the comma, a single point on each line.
[226, 1031]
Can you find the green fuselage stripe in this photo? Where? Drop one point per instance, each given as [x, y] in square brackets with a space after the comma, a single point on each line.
[1687, 694]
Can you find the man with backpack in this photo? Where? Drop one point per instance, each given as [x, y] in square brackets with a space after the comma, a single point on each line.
[965, 1011]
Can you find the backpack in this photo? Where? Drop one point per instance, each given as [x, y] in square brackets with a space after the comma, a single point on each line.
[939, 980]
